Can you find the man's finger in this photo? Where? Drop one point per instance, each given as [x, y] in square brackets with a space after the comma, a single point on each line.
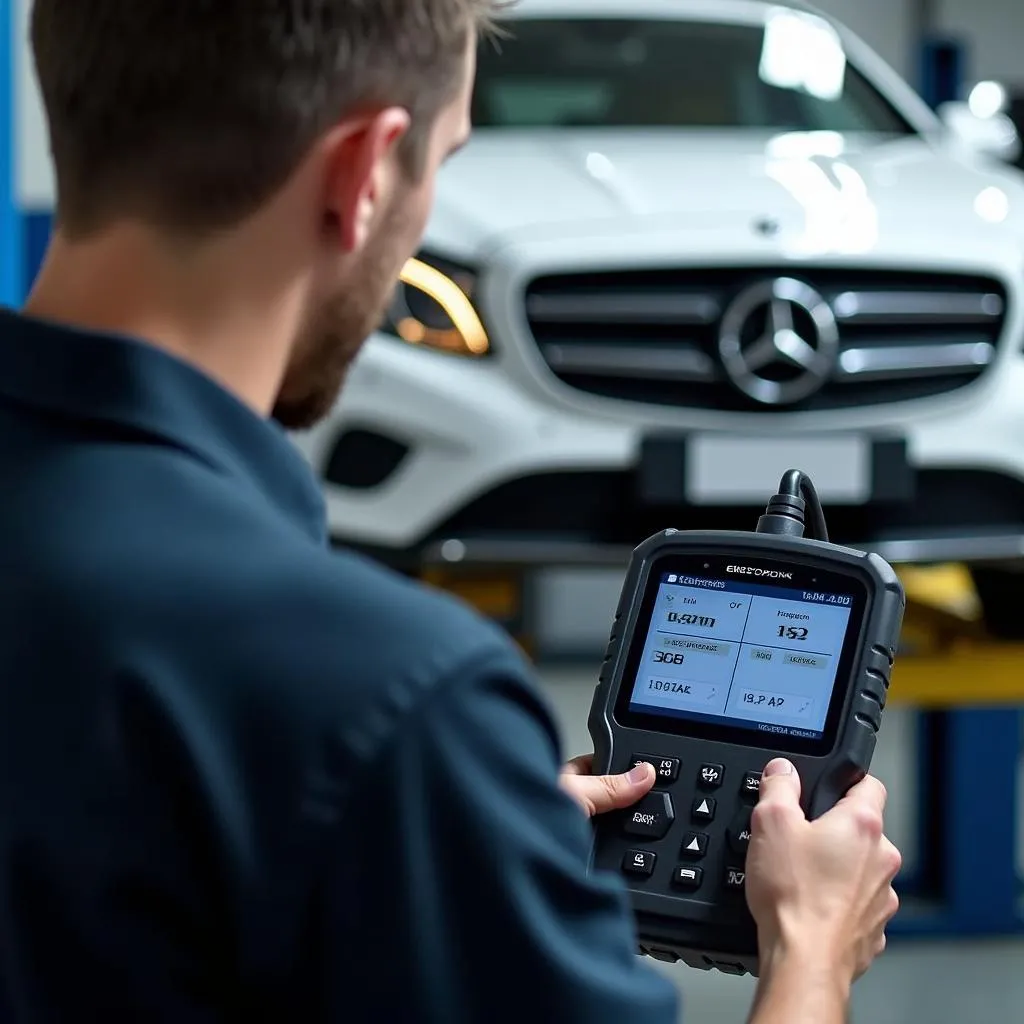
[868, 792]
[780, 782]
[598, 794]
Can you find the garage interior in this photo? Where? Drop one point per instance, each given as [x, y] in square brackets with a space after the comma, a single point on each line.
[544, 552]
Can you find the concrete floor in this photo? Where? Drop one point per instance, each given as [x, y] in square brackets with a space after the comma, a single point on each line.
[916, 982]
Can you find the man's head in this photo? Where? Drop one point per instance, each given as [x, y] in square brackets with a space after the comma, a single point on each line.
[195, 118]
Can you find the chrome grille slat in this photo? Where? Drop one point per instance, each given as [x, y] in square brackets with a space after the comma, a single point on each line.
[627, 307]
[860, 364]
[902, 308]
[651, 337]
[631, 361]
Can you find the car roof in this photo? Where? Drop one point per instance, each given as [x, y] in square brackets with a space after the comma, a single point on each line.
[751, 12]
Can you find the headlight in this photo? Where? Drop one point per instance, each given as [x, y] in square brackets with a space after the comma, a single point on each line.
[433, 307]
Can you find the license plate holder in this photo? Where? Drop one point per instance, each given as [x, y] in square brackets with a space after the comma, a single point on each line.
[731, 470]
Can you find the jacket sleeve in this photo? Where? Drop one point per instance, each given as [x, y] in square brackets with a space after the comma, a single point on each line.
[474, 900]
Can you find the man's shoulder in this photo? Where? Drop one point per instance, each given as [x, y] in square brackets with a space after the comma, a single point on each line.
[334, 638]
[370, 615]
[246, 584]
[275, 635]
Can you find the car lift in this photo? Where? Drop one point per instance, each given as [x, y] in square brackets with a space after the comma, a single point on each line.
[969, 691]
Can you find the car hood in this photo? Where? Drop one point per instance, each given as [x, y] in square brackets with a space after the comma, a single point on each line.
[830, 192]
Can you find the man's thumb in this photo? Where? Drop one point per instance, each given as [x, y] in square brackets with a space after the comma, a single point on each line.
[780, 781]
[614, 792]
[641, 776]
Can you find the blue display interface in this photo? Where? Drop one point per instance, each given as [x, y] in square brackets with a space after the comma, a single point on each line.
[742, 654]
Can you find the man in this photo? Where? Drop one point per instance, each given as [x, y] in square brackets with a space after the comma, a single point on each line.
[244, 778]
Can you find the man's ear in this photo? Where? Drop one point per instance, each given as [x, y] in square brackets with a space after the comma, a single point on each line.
[361, 172]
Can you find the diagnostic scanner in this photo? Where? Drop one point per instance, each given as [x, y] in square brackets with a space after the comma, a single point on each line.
[730, 649]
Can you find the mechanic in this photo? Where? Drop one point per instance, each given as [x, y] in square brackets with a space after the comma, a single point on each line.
[243, 777]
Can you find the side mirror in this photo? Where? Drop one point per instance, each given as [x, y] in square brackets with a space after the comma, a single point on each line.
[993, 136]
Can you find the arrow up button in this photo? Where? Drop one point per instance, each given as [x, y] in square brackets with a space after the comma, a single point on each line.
[695, 845]
[704, 808]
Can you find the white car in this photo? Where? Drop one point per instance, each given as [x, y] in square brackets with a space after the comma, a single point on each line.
[694, 243]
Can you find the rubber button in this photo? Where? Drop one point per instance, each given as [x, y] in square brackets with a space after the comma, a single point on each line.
[694, 845]
[651, 818]
[735, 879]
[639, 862]
[751, 787]
[666, 767]
[739, 834]
[687, 878]
[704, 808]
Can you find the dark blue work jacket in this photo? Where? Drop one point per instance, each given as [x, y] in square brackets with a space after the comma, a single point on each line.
[243, 778]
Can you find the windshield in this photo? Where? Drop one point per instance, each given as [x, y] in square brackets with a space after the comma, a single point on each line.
[790, 75]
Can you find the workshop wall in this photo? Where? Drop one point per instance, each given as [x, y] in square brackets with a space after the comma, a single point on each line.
[993, 31]
[886, 25]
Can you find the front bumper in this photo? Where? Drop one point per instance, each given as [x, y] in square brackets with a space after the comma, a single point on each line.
[490, 471]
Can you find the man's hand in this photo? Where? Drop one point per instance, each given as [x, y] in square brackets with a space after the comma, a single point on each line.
[821, 894]
[598, 794]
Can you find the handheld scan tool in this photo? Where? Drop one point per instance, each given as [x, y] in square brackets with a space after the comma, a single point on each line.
[728, 650]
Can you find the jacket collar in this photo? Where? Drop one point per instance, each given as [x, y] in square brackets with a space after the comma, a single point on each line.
[94, 377]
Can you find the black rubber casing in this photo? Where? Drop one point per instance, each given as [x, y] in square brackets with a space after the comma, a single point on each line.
[713, 929]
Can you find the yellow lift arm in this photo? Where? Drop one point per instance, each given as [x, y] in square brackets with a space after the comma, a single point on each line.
[946, 658]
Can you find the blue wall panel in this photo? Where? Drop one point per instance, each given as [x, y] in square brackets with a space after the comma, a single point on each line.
[943, 61]
[35, 234]
[11, 263]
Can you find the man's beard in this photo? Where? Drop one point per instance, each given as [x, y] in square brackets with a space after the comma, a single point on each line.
[332, 337]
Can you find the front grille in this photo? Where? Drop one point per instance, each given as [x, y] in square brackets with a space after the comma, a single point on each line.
[653, 336]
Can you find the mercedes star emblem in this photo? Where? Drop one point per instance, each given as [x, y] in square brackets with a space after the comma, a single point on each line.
[779, 341]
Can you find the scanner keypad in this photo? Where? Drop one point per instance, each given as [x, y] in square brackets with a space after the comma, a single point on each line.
[707, 849]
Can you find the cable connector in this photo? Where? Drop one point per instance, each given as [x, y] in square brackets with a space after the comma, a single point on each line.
[788, 510]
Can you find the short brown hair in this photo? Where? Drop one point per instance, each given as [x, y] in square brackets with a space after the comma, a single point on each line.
[192, 114]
